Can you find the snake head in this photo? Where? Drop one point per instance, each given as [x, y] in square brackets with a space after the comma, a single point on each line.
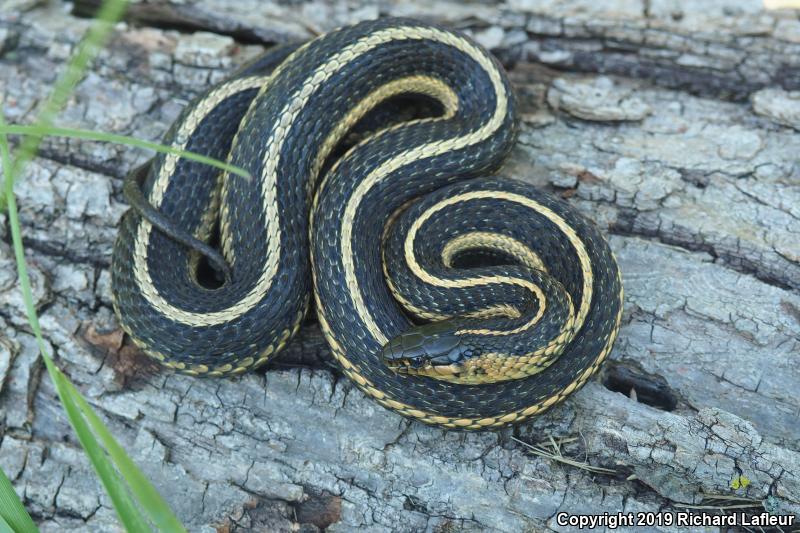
[431, 350]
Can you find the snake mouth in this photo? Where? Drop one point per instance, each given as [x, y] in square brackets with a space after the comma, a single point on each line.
[415, 367]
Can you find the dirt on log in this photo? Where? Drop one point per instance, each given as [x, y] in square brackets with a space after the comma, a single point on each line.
[672, 124]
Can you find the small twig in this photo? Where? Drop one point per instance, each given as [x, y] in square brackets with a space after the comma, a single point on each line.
[709, 502]
[716, 507]
[556, 455]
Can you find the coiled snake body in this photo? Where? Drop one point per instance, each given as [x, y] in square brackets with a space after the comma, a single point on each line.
[515, 298]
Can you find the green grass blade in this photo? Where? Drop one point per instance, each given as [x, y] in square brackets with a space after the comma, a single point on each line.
[147, 496]
[43, 131]
[108, 14]
[13, 516]
[129, 515]
[128, 512]
[13, 222]
[4, 527]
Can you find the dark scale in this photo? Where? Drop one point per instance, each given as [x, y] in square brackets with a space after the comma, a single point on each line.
[212, 330]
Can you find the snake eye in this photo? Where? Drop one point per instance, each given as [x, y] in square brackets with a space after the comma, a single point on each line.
[415, 362]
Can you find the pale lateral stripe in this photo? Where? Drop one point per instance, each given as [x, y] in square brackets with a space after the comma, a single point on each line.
[141, 269]
[271, 161]
[420, 152]
[495, 241]
[416, 84]
[576, 242]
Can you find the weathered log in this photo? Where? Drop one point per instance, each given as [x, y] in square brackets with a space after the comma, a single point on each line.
[699, 188]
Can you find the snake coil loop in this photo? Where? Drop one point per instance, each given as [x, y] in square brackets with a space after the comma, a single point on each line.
[457, 299]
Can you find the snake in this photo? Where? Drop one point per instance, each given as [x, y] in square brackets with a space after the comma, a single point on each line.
[447, 291]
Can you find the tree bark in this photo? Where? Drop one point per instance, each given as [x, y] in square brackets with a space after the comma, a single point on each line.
[671, 124]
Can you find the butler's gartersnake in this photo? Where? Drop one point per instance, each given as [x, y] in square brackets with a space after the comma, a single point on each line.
[516, 299]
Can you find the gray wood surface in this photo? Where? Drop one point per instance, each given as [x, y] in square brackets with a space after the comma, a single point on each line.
[671, 123]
